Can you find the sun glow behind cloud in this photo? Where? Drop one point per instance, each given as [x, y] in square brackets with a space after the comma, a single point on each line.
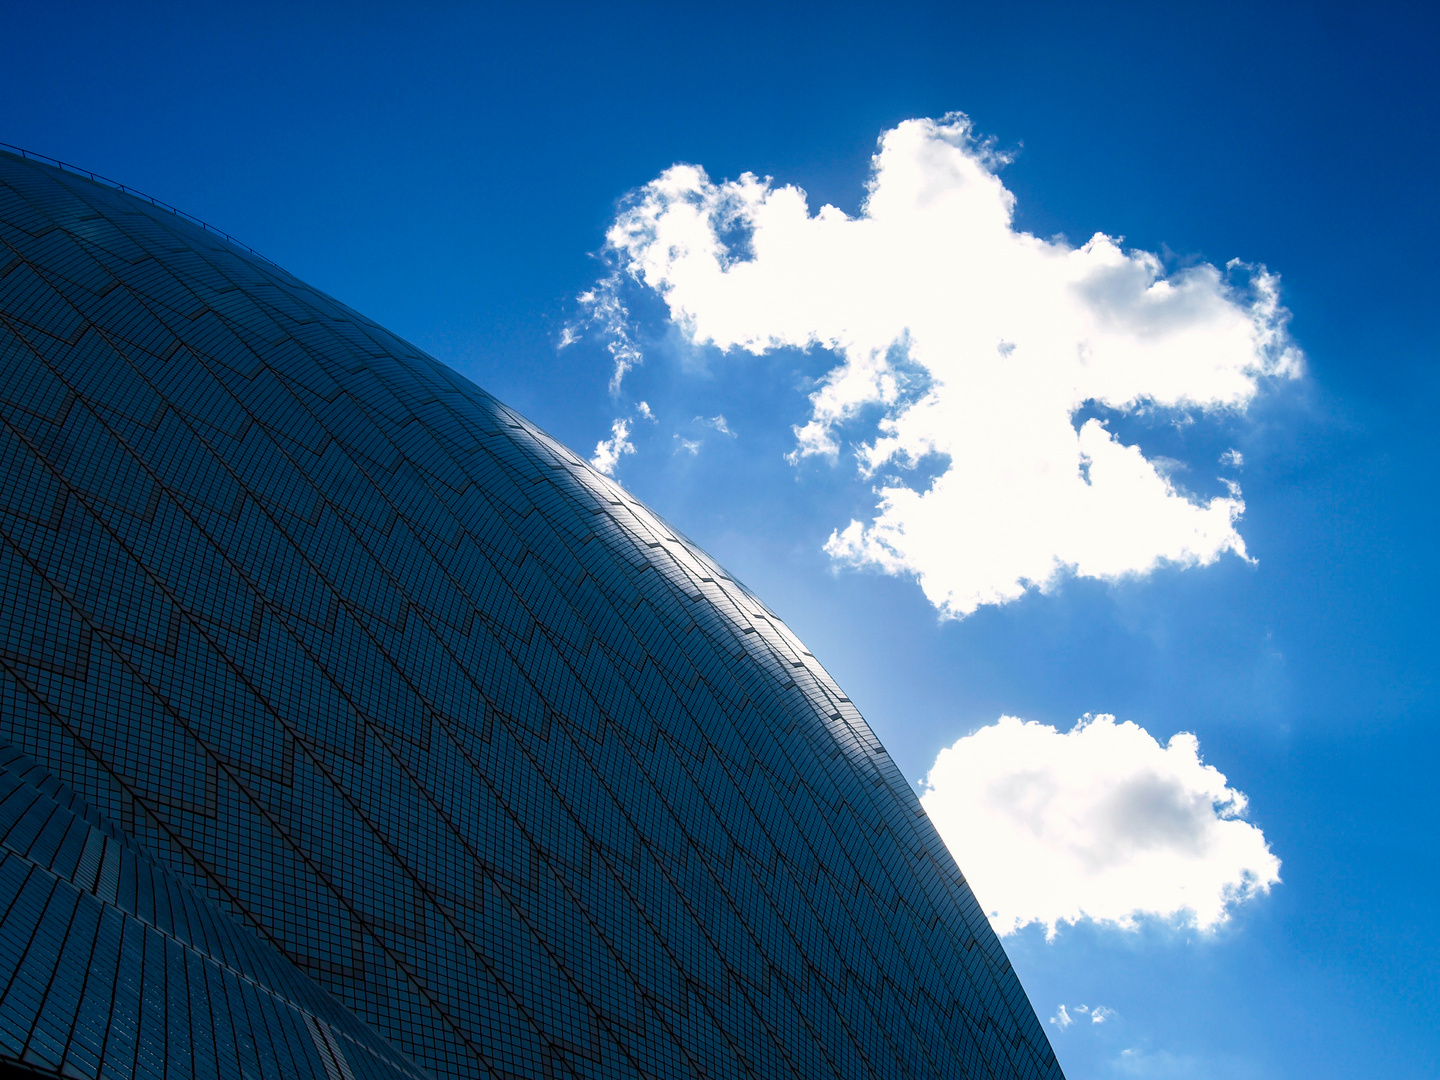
[979, 344]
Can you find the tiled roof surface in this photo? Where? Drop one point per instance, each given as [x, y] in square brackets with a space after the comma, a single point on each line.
[453, 724]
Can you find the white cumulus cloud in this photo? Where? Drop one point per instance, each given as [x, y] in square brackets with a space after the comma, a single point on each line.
[608, 452]
[1098, 1015]
[977, 345]
[1101, 822]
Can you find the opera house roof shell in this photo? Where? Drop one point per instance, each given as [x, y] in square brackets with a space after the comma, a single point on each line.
[354, 727]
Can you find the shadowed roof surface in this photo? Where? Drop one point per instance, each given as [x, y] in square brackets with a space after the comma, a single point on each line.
[452, 722]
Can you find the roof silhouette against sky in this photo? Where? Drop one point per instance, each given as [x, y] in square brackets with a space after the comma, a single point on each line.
[321, 635]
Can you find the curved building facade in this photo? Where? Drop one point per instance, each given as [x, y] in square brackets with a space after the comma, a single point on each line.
[429, 750]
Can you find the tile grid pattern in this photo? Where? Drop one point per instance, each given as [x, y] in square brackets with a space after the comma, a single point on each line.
[454, 723]
[110, 964]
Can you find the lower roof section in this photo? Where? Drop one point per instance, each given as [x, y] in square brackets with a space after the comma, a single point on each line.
[112, 967]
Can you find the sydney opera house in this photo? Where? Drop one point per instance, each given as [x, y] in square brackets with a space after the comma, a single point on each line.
[352, 727]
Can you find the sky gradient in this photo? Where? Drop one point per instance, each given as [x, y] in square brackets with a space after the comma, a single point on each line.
[453, 173]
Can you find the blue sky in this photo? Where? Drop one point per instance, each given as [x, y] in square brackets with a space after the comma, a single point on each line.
[452, 172]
